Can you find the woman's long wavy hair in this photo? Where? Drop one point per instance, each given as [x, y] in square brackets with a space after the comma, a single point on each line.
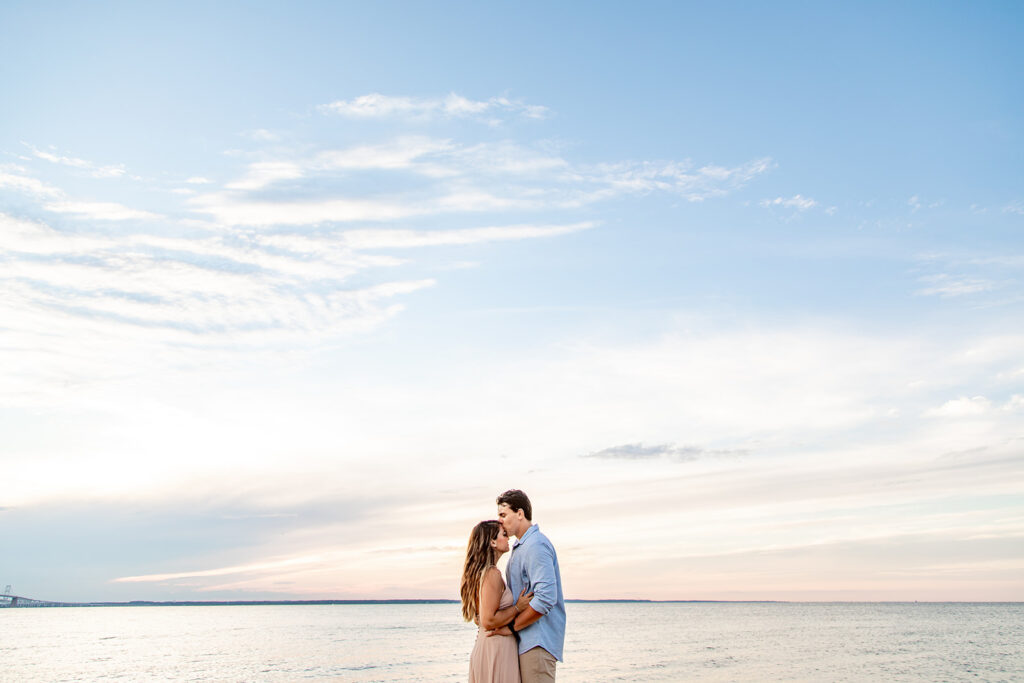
[480, 556]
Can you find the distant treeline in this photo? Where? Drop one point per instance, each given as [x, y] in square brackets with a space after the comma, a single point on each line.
[219, 603]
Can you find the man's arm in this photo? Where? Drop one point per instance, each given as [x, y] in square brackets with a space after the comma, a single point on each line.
[541, 570]
[527, 617]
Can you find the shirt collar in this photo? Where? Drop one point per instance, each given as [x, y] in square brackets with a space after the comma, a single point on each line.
[526, 535]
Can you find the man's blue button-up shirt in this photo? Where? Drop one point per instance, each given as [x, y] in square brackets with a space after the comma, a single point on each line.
[534, 565]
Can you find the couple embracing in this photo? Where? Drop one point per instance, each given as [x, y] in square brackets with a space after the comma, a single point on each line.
[519, 639]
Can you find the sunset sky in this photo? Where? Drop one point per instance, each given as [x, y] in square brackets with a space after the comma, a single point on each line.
[289, 292]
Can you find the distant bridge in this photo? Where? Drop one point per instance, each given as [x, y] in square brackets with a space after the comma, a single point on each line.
[7, 600]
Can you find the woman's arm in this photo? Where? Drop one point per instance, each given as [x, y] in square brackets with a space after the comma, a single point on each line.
[490, 597]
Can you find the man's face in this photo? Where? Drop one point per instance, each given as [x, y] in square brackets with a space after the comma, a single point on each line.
[510, 520]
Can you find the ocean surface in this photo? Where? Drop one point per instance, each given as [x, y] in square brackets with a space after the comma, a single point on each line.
[605, 642]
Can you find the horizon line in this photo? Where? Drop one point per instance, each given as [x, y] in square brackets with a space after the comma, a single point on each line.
[39, 604]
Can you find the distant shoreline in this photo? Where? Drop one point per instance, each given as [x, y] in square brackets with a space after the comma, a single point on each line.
[410, 601]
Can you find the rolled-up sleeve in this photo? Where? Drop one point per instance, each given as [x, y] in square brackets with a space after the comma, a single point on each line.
[542, 577]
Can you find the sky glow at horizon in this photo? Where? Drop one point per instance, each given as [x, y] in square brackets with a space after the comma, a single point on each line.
[288, 295]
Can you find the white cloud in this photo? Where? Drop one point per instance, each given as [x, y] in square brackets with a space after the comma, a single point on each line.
[1016, 207]
[198, 180]
[232, 210]
[58, 203]
[640, 451]
[190, 295]
[264, 173]
[1015, 404]
[384, 239]
[401, 153]
[428, 176]
[964, 406]
[12, 177]
[509, 158]
[81, 297]
[375, 105]
[275, 565]
[32, 237]
[104, 211]
[798, 202]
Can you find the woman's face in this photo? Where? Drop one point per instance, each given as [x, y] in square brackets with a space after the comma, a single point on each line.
[501, 542]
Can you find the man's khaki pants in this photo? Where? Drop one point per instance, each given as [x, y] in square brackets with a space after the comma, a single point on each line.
[537, 665]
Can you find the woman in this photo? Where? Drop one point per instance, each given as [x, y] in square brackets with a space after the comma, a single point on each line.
[487, 601]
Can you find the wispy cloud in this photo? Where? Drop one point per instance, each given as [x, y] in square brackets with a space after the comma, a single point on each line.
[376, 105]
[15, 178]
[402, 239]
[102, 211]
[964, 406]
[1016, 207]
[264, 173]
[400, 154]
[95, 170]
[274, 566]
[234, 210]
[682, 178]
[68, 295]
[428, 177]
[798, 202]
[638, 451]
[916, 204]
[975, 406]
[945, 285]
[404, 152]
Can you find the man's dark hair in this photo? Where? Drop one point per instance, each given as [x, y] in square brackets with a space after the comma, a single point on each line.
[517, 500]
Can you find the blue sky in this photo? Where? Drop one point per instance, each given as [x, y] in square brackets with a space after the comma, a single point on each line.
[290, 293]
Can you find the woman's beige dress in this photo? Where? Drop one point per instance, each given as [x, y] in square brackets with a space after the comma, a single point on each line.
[495, 659]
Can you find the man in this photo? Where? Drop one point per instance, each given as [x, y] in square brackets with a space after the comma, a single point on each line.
[534, 566]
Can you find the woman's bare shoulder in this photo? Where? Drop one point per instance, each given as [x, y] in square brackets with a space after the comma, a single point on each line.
[493, 575]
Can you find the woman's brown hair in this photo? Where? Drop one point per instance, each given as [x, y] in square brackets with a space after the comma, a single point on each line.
[480, 556]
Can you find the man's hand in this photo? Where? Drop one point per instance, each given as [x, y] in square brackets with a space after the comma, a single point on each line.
[524, 601]
[503, 631]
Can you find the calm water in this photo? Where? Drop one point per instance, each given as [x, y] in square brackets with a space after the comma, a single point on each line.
[606, 642]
